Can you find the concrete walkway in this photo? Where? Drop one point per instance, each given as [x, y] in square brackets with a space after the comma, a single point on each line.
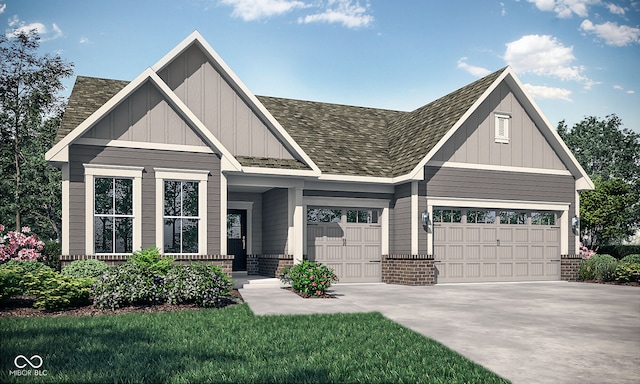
[552, 332]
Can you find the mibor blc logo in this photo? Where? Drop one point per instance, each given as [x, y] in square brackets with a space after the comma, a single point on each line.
[28, 366]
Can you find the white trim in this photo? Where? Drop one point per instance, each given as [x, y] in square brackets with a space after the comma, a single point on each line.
[91, 171]
[415, 217]
[223, 213]
[505, 204]
[501, 168]
[296, 233]
[238, 86]
[143, 145]
[247, 206]
[577, 213]
[371, 179]
[199, 175]
[66, 191]
[384, 224]
[280, 171]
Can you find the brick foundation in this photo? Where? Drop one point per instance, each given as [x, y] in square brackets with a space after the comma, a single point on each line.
[408, 269]
[569, 266]
[224, 261]
[268, 265]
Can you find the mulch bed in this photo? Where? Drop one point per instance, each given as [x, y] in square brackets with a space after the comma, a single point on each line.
[630, 284]
[22, 306]
[308, 296]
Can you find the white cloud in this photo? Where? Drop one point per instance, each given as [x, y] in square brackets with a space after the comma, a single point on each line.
[84, 40]
[544, 92]
[503, 10]
[2, 8]
[612, 33]
[543, 55]
[349, 13]
[631, 92]
[565, 8]
[618, 87]
[589, 84]
[17, 26]
[249, 10]
[475, 71]
[615, 9]
[621, 88]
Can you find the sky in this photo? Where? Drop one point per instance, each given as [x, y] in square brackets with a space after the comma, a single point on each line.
[576, 58]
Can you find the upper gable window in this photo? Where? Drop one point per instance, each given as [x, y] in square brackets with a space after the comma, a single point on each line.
[502, 128]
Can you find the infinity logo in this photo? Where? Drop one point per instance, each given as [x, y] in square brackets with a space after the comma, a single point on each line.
[28, 361]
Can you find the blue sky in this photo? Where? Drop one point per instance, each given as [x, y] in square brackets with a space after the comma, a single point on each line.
[577, 58]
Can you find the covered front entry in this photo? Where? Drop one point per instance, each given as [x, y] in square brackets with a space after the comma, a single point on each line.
[484, 245]
[347, 240]
[237, 237]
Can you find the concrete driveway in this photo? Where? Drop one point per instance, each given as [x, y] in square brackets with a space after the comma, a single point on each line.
[552, 332]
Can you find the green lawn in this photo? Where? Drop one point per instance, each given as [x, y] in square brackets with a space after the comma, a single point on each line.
[230, 345]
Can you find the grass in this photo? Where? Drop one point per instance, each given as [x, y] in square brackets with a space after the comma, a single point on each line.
[231, 345]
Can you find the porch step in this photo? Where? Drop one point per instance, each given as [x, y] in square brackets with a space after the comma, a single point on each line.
[262, 282]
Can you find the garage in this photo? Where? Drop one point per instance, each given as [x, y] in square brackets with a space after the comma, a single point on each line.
[491, 245]
[347, 240]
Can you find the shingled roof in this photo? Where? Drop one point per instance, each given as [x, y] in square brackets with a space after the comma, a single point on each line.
[340, 139]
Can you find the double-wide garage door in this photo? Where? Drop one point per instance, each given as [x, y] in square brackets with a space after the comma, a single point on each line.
[478, 245]
[347, 240]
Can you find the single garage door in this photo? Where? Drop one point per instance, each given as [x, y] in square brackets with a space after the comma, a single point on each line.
[347, 240]
[478, 245]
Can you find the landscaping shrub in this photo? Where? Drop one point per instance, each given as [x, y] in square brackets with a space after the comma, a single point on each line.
[627, 272]
[631, 259]
[127, 284]
[150, 261]
[86, 269]
[10, 283]
[24, 268]
[202, 284]
[19, 245]
[598, 267]
[50, 255]
[309, 278]
[619, 251]
[54, 291]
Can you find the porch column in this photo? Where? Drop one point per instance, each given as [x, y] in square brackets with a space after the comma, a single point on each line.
[415, 218]
[295, 240]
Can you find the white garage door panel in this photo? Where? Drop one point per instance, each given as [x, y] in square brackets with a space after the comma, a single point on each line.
[485, 252]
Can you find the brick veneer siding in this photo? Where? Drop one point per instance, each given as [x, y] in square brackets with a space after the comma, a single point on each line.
[268, 265]
[408, 269]
[224, 261]
[569, 266]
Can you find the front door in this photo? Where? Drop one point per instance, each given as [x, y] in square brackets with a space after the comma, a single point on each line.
[237, 237]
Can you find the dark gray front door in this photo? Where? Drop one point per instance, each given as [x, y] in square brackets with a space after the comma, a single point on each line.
[237, 237]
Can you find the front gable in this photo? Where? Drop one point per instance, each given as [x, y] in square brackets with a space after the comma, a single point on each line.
[475, 142]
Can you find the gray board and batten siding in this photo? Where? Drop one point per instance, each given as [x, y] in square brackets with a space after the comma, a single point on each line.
[83, 154]
[145, 116]
[218, 106]
[275, 221]
[400, 221]
[474, 142]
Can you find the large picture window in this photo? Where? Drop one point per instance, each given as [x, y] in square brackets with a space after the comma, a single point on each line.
[181, 218]
[181, 210]
[113, 215]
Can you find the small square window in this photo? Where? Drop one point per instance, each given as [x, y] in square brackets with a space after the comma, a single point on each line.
[502, 128]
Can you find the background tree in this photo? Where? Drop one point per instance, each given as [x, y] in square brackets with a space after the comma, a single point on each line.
[30, 110]
[610, 155]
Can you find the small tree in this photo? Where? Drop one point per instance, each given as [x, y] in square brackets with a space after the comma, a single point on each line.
[610, 155]
[29, 115]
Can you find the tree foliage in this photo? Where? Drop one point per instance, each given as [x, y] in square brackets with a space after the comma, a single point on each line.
[610, 155]
[30, 110]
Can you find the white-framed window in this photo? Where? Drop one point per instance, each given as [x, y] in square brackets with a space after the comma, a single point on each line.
[113, 209]
[181, 211]
[502, 128]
